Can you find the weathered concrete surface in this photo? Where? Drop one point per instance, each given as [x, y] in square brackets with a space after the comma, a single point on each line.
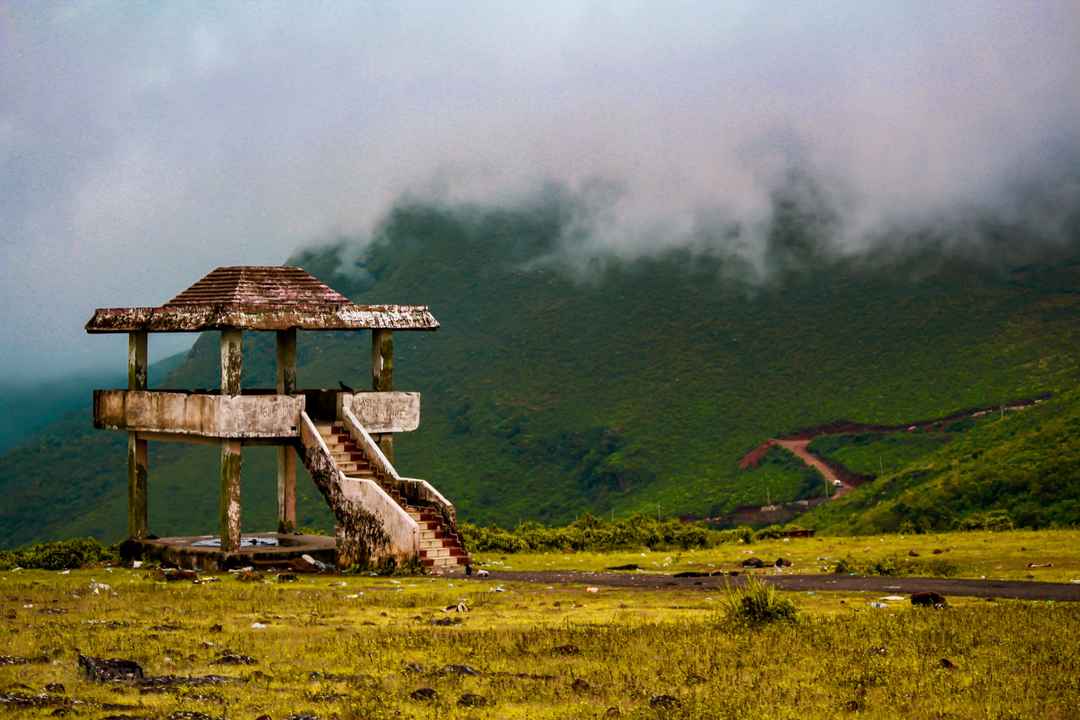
[371, 526]
[216, 416]
[382, 378]
[182, 552]
[286, 456]
[383, 412]
[138, 452]
[138, 499]
[232, 361]
[286, 488]
[197, 318]
[412, 489]
[137, 361]
[231, 462]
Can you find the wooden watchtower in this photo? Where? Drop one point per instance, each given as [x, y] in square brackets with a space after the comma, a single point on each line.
[344, 438]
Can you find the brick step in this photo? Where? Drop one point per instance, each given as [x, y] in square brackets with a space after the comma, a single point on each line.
[444, 562]
[435, 552]
[346, 455]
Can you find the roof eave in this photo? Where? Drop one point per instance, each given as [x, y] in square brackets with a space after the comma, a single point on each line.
[197, 318]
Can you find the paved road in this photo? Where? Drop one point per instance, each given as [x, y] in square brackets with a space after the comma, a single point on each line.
[1014, 589]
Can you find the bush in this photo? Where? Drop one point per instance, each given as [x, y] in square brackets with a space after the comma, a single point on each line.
[59, 555]
[589, 533]
[894, 566]
[994, 520]
[756, 603]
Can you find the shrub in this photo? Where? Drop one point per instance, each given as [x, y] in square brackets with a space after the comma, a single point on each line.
[589, 533]
[756, 603]
[994, 520]
[58, 555]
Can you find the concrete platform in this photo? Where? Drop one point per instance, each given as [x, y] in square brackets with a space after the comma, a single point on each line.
[258, 549]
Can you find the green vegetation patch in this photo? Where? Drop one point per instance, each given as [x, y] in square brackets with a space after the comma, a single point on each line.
[447, 648]
[877, 454]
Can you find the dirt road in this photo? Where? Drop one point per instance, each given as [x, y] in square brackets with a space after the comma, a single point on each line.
[800, 450]
[1006, 589]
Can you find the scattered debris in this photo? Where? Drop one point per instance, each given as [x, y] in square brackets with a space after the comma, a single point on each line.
[424, 694]
[461, 607]
[174, 574]
[482, 573]
[472, 700]
[782, 563]
[25, 701]
[947, 664]
[665, 702]
[458, 670]
[592, 589]
[1040, 565]
[229, 658]
[110, 670]
[286, 577]
[580, 685]
[892, 598]
[99, 587]
[258, 626]
[55, 688]
[18, 660]
[753, 562]
[566, 650]
[878, 605]
[929, 598]
[445, 621]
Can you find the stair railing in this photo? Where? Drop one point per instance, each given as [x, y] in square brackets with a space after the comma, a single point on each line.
[411, 488]
[350, 498]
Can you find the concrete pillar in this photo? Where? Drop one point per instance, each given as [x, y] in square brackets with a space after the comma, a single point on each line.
[232, 361]
[231, 453]
[382, 378]
[138, 507]
[286, 455]
[231, 462]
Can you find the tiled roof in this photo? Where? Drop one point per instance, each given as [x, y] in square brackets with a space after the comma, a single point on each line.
[255, 285]
[260, 298]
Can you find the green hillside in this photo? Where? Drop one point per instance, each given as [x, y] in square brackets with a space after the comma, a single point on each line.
[1021, 469]
[613, 386]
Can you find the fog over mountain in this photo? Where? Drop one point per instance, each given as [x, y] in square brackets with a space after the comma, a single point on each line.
[143, 144]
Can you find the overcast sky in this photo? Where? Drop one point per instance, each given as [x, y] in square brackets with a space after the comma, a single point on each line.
[142, 145]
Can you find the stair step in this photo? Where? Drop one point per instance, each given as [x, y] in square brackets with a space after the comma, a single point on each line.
[435, 553]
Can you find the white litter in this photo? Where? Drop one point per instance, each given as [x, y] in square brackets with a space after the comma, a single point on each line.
[65, 572]
[258, 626]
[893, 598]
[482, 573]
[136, 564]
[592, 589]
[878, 605]
[498, 588]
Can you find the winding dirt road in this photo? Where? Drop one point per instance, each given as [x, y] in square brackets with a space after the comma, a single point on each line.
[800, 449]
[1005, 589]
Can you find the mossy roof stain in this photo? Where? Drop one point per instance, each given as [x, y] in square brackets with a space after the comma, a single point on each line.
[260, 298]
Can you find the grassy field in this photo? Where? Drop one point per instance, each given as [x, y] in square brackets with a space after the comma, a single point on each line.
[997, 555]
[354, 646]
[361, 647]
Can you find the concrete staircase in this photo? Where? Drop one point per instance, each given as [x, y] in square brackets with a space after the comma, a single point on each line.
[440, 546]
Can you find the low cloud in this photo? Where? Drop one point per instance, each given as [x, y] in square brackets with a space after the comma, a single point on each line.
[142, 145]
